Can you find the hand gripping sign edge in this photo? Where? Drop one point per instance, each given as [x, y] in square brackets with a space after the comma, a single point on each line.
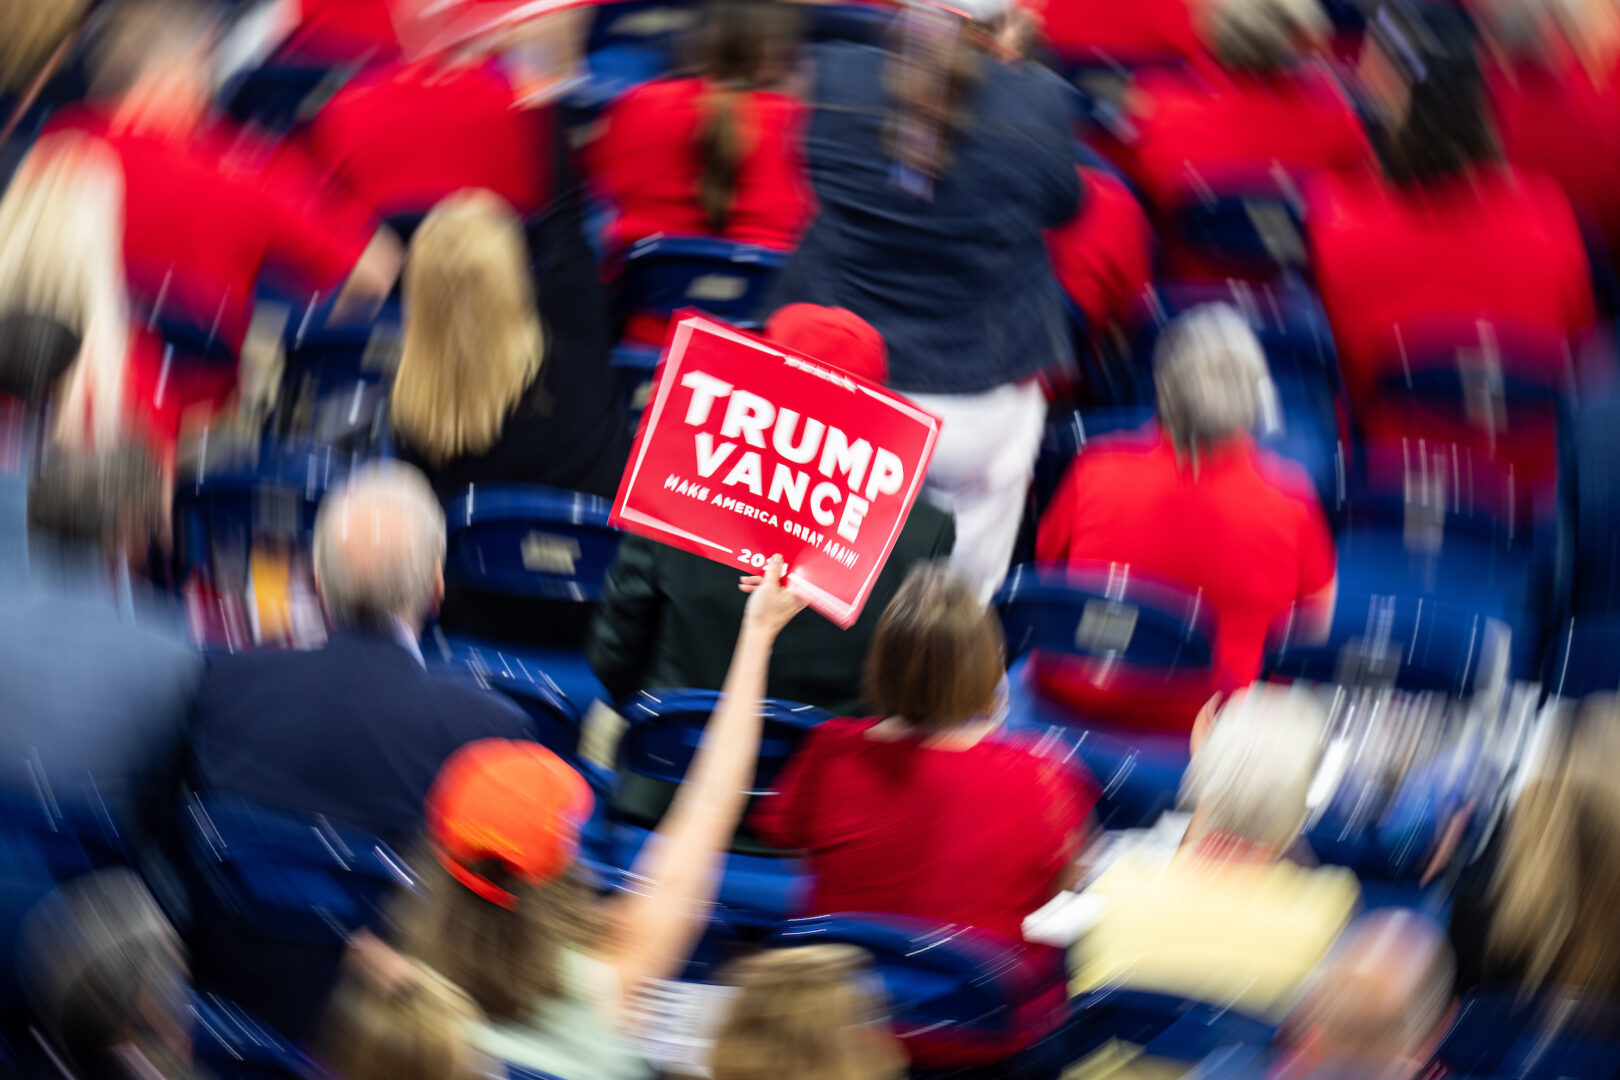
[830, 428]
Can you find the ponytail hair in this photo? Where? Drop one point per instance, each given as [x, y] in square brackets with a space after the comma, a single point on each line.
[741, 46]
[932, 75]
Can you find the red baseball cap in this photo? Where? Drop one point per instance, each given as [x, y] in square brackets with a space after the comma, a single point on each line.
[833, 335]
[516, 803]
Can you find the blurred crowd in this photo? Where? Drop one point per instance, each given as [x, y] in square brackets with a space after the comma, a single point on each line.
[1233, 701]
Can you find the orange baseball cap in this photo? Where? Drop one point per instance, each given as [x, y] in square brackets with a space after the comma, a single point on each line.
[833, 335]
[513, 802]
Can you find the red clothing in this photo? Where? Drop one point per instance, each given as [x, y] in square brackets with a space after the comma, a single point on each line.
[404, 136]
[203, 221]
[339, 31]
[1124, 29]
[1245, 529]
[646, 162]
[1227, 129]
[1103, 258]
[975, 836]
[1560, 121]
[1499, 245]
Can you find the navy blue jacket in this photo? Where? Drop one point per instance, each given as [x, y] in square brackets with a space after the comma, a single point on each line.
[959, 285]
[355, 731]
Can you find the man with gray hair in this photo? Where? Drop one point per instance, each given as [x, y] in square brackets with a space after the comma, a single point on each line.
[1191, 500]
[1227, 920]
[355, 731]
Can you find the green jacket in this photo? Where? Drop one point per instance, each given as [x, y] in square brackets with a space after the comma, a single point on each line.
[670, 620]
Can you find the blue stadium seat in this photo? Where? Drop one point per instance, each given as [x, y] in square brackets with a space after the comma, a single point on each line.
[663, 274]
[229, 497]
[1165, 1026]
[277, 96]
[233, 1044]
[630, 42]
[1145, 661]
[530, 541]
[761, 885]
[1584, 658]
[334, 384]
[1503, 1032]
[949, 986]
[274, 897]
[1251, 226]
[523, 679]
[1413, 643]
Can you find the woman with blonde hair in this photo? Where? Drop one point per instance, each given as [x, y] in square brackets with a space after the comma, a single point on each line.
[483, 395]
[1547, 917]
[811, 1013]
[61, 257]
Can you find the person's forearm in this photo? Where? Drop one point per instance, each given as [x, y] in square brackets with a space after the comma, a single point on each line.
[724, 764]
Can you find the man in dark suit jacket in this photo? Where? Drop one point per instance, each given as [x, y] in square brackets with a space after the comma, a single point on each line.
[355, 731]
[669, 617]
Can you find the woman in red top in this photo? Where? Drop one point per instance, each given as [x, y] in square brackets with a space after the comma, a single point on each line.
[1268, 108]
[716, 154]
[930, 810]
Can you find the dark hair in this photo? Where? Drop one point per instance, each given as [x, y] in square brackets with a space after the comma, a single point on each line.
[98, 498]
[740, 46]
[35, 352]
[1448, 126]
[936, 657]
[932, 75]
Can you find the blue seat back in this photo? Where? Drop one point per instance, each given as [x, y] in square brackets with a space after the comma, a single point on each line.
[233, 1044]
[663, 274]
[1582, 659]
[530, 541]
[1502, 1032]
[228, 500]
[286, 877]
[334, 384]
[940, 979]
[1252, 226]
[1414, 643]
[556, 719]
[1165, 1026]
[1103, 611]
[666, 728]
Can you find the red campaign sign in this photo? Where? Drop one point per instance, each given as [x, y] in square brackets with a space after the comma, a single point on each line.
[746, 451]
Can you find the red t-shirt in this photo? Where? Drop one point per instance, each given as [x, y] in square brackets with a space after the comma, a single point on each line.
[1558, 120]
[1103, 257]
[1126, 29]
[404, 136]
[338, 31]
[975, 836]
[646, 163]
[203, 219]
[1230, 127]
[1498, 244]
[1245, 529]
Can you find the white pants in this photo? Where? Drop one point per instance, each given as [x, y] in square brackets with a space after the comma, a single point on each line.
[982, 466]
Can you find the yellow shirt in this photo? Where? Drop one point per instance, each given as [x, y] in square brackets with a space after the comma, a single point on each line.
[1244, 935]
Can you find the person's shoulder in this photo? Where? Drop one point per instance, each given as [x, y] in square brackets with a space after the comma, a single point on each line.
[1286, 478]
[841, 731]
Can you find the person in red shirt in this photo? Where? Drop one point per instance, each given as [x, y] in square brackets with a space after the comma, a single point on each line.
[1450, 234]
[403, 137]
[929, 809]
[341, 31]
[1554, 88]
[1193, 502]
[1103, 257]
[715, 154]
[202, 220]
[1140, 29]
[1270, 109]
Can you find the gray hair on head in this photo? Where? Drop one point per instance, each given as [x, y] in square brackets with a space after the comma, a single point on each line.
[1263, 35]
[89, 954]
[1211, 374]
[379, 544]
[1252, 774]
